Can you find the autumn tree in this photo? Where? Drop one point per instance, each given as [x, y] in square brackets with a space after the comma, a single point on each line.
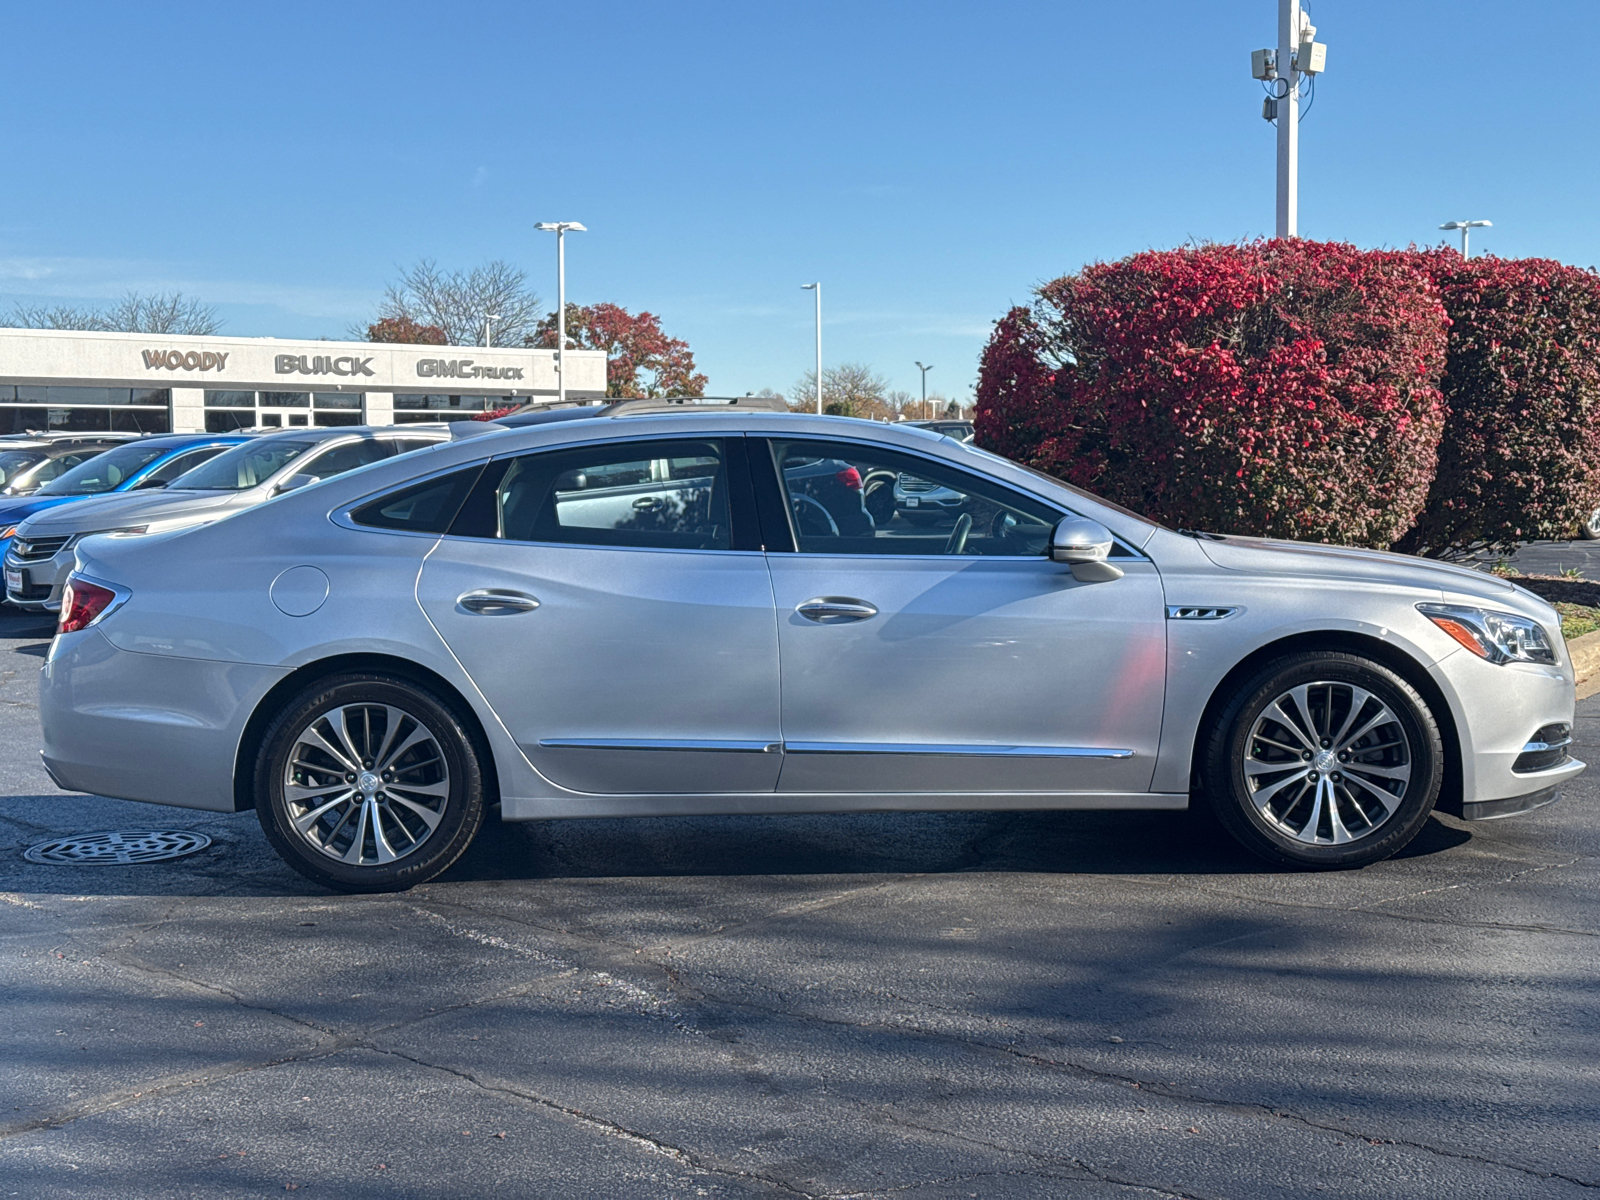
[406, 331]
[458, 302]
[641, 360]
[848, 390]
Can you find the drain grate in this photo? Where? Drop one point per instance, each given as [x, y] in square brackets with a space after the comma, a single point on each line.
[123, 847]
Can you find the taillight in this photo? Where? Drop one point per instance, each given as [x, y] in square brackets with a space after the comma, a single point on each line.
[82, 604]
[851, 478]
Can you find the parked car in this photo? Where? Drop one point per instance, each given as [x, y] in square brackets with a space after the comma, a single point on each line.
[262, 466]
[620, 615]
[24, 469]
[150, 462]
[960, 430]
[1591, 528]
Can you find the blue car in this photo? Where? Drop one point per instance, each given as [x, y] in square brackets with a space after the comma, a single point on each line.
[149, 462]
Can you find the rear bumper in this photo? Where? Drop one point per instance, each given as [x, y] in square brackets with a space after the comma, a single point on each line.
[149, 727]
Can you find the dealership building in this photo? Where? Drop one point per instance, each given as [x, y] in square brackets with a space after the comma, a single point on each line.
[52, 379]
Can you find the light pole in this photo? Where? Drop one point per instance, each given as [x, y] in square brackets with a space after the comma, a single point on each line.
[1464, 226]
[560, 228]
[924, 370]
[817, 288]
[1298, 55]
[488, 328]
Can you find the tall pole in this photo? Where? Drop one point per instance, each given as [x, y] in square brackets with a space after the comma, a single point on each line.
[1288, 224]
[561, 315]
[488, 329]
[924, 370]
[559, 228]
[817, 288]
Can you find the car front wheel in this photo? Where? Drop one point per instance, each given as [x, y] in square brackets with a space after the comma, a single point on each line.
[1591, 528]
[369, 783]
[1323, 759]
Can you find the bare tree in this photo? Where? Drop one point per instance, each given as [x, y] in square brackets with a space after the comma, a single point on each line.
[458, 301]
[848, 390]
[136, 312]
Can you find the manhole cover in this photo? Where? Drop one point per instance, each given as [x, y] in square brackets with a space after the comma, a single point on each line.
[121, 848]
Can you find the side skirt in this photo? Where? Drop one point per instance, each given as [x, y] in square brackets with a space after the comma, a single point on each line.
[537, 808]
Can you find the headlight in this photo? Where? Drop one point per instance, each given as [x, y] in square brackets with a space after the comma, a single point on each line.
[1500, 637]
[125, 529]
[8, 531]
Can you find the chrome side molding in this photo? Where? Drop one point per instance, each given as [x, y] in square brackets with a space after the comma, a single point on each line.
[953, 751]
[712, 745]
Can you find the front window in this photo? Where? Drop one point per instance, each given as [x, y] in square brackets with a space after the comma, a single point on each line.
[846, 498]
[104, 472]
[244, 466]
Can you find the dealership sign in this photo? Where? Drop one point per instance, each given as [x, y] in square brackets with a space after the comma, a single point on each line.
[322, 364]
[179, 360]
[463, 368]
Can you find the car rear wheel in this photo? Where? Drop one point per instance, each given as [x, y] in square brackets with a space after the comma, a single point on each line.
[369, 783]
[1591, 528]
[1323, 759]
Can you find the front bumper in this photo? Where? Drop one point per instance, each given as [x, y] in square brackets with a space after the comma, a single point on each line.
[40, 581]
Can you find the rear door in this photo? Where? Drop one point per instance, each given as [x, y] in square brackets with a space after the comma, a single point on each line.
[612, 603]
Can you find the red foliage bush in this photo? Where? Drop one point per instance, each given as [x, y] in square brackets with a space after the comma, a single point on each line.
[1520, 457]
[1285, 388]
[404, 329]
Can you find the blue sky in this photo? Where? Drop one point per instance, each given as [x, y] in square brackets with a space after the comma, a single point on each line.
[930, 163]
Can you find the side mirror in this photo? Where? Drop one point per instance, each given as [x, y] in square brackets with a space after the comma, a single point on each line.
[1084, 546]
[295, 481]
[149, 483]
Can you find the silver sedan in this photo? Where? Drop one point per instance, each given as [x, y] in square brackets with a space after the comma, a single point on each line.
[42, 553]
[635, 613]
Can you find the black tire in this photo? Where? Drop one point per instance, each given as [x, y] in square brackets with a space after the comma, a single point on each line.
[1267, 829]
[458, 817]
[1590, 529]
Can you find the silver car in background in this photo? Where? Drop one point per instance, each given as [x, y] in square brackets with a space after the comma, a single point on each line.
[41, 554]
[621, 614]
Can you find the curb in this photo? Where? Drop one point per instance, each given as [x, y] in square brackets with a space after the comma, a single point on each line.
[1585, 652]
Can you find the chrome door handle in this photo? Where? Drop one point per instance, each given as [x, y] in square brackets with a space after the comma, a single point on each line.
[649, 503]
[497, 602]
[835, 610]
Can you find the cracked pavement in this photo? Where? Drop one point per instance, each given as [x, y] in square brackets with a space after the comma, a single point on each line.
[995, 1005]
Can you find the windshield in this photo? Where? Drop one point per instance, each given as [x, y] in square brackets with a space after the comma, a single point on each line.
[242, 467]
[103, 472]
[14, 462]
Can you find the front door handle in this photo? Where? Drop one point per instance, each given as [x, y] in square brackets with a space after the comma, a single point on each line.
[649, 503]
[835, 610]
[497, 602]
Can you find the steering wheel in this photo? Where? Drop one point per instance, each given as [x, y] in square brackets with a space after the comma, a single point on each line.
[957, 542]
[812, 518]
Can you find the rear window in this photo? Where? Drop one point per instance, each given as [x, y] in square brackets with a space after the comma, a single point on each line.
[427, 507]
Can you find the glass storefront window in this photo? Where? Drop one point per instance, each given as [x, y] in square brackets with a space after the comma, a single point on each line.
[285, 399]
[228, 410]
[230, 399]
[338, 400]
[435, 402]
[25, 408]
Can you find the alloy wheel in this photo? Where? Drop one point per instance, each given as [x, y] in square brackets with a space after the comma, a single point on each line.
[366, 784]
[1327, 763]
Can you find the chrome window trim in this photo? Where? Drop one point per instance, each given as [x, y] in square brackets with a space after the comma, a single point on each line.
[953, 751]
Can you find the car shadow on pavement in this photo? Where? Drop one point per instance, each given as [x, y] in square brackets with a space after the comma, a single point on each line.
[239, 861]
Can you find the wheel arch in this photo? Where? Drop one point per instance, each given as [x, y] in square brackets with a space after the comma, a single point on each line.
[1386, 653]
[386, 664]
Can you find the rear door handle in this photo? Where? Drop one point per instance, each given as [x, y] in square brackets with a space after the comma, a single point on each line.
[497, 602]
[835, 610]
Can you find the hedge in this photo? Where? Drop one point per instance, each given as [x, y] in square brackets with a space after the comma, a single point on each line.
[1287, 388]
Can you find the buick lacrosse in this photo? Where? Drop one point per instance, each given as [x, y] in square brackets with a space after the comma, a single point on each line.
[685, 609]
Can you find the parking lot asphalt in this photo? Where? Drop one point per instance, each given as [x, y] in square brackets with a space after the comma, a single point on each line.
[1011, 1005]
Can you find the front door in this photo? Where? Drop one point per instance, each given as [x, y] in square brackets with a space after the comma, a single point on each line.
[610, 605]
[940, 650]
